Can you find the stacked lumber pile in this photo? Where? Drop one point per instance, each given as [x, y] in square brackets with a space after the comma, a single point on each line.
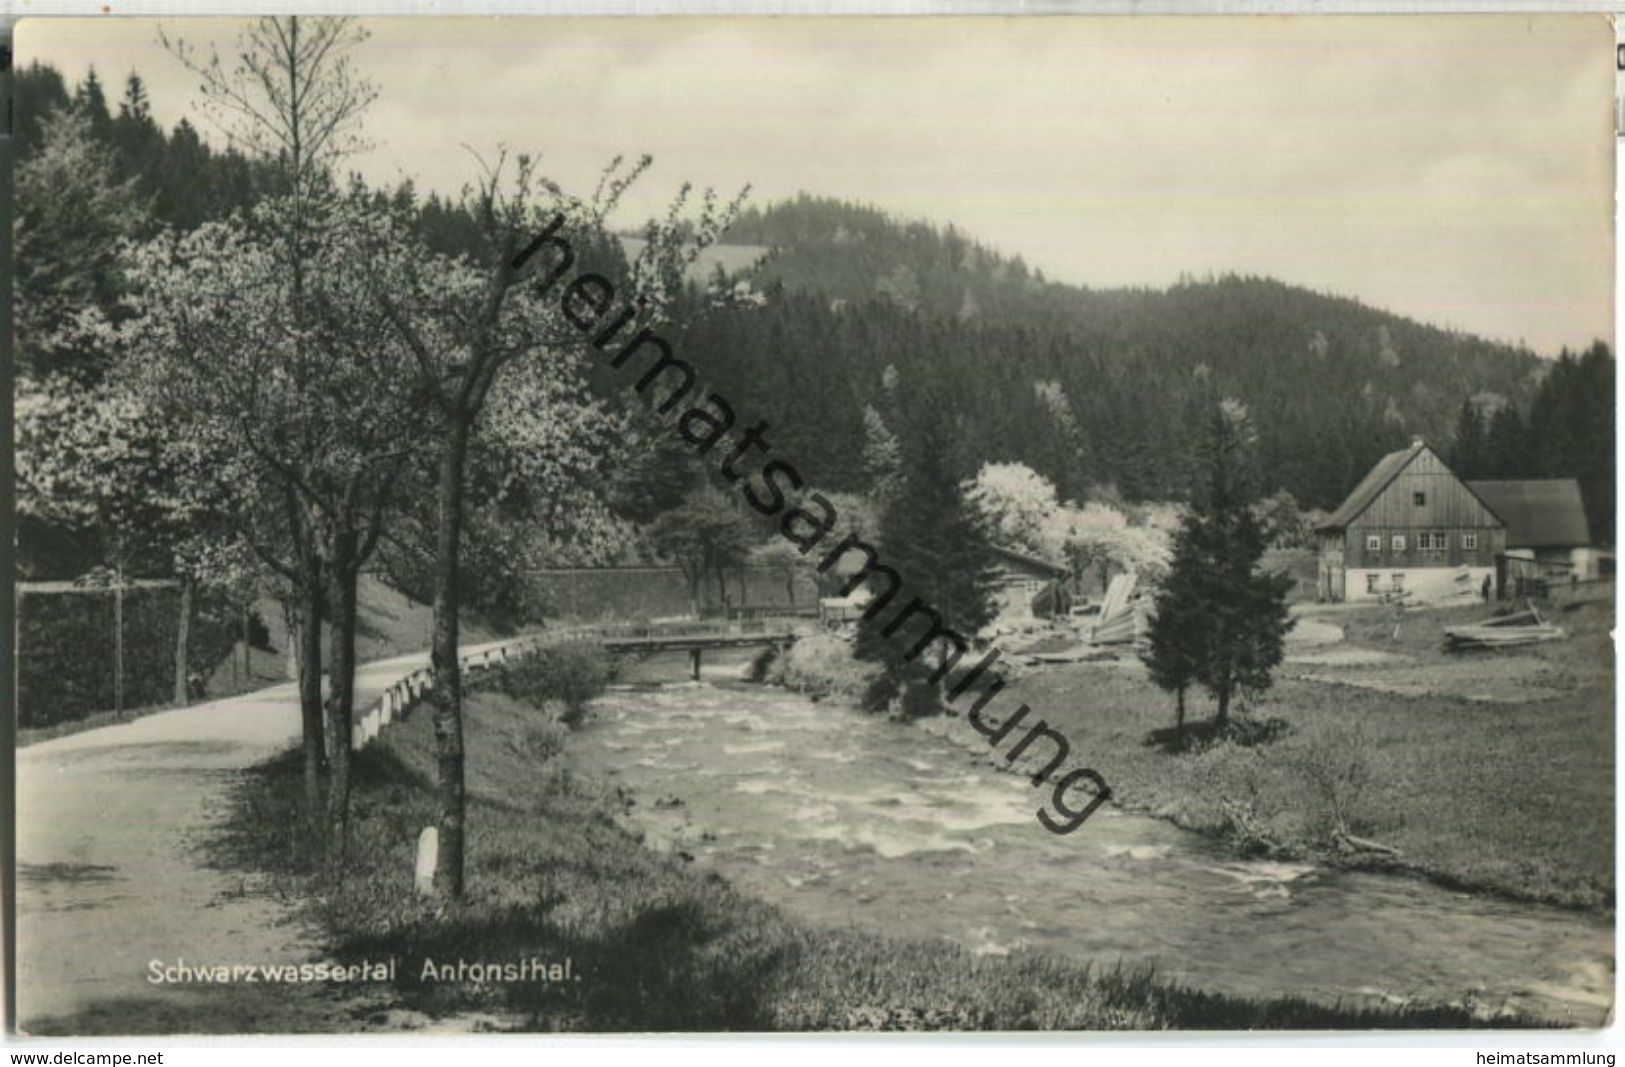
[1123, 615]
[1504, 631]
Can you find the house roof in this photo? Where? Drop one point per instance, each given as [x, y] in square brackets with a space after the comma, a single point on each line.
[1020, 558]
[1372, 485]
[1539, 513]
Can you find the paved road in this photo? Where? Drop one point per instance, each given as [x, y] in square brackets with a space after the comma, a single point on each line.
[110, 874]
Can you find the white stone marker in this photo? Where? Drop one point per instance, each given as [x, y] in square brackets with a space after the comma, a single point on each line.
[428, 855]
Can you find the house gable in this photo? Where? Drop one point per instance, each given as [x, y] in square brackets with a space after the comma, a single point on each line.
[1412, 489]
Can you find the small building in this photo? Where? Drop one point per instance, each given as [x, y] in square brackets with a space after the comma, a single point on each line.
[1547, 537]
[834, 611]
[1021, 580]
[1410, 528]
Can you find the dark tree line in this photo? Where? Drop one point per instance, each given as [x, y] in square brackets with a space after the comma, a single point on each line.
[185, 180]
[1567, 432]
[1089, 387]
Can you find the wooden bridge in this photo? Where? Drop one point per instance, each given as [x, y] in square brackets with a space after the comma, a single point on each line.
[691, 637]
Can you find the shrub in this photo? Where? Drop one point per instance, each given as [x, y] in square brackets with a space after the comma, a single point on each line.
[920, 699]
[822, 665]
[1335, 769]
[1243, 788]
[570, 673]
[65, 649]
[1243, 731]
[540, 742]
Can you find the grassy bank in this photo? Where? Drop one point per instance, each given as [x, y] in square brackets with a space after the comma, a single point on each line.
[654, 944]
[1491, 772]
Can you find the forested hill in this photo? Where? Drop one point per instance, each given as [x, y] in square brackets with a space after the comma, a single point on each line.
[1092, 388]
[1089, 386]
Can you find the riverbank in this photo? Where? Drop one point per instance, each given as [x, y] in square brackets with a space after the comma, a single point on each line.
[1486, 773]
[652, 943]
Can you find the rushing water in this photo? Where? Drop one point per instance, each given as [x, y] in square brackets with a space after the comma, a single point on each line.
[847, 819]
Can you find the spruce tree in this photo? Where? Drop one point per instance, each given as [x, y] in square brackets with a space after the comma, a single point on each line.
[1178, 631]
[1506, 444]
[1221, 621]
[91, 101]
[933, 537]
[1467, 457]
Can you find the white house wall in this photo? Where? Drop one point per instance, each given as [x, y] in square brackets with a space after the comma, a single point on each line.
[1421, 583]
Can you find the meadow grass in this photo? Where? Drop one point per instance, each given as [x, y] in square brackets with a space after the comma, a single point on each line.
[1489, 771]
[656, 944]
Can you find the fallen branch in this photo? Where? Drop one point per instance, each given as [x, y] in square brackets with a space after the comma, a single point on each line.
[1360, 844]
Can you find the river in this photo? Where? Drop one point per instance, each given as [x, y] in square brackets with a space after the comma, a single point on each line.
[847, 819]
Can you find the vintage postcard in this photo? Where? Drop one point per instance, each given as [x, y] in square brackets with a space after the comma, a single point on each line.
[534, 525]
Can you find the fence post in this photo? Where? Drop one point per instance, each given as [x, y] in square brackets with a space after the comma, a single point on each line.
[428, 854]
[118, 645]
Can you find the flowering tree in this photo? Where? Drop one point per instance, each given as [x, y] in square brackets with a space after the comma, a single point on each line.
[1019, 505]
[1098, 535]
[467, 323]
[292, 381]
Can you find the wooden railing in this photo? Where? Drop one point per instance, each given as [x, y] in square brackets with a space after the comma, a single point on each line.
[393, 704]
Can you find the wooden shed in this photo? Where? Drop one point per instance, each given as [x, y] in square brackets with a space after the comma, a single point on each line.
[1548, 537]
[1020, 580]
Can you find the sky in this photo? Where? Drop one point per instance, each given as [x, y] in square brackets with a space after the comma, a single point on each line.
[1458, 170]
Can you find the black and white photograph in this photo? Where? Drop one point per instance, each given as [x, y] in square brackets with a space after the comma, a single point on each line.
[739, 524]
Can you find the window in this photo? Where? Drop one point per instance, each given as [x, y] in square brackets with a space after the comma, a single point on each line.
[1435, 541]
[1373, 542]
[1371, 582]
[1469, 540]
[1399, 581]
[1420, 499]
[1399, 543]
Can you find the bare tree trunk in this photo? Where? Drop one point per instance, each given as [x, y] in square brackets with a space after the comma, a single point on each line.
[448, 682]
[290, 623]
[694, 581]
[341, 699]
[1224, 706]
[310, 693]
[1179, 719]
[183, 628]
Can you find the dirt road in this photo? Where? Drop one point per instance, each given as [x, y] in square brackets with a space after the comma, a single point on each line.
[111, 876]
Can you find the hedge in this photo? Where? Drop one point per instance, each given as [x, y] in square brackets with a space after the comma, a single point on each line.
[65, 649]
